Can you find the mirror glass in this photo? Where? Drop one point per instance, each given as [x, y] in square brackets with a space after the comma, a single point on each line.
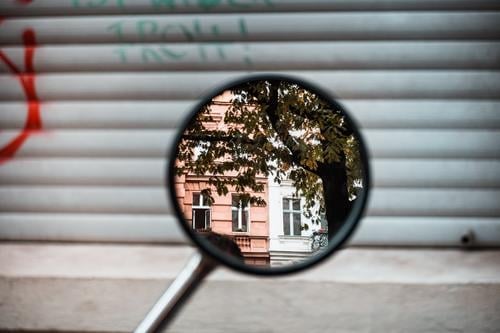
[269, 173]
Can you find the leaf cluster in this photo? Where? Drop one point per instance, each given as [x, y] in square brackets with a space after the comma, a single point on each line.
[271, 129]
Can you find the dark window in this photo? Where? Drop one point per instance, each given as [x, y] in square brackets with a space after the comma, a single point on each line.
[239, 214]
[201, 212]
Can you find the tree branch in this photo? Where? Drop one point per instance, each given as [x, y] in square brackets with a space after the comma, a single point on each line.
[214, 138]
[272, 115]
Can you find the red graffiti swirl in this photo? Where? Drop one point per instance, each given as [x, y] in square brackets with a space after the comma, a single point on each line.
[27, 80]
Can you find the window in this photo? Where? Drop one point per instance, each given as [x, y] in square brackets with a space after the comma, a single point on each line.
[201, 212]
[239, 213]
[291, 217]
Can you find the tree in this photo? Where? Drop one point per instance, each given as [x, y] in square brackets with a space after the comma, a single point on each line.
[276, 128]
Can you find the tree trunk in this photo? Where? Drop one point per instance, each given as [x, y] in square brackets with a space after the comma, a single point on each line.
[336, 195]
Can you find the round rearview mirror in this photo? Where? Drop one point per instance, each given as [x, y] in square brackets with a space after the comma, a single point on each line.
[269, 174]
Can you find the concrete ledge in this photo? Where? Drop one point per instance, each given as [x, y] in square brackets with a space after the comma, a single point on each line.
[108, 288]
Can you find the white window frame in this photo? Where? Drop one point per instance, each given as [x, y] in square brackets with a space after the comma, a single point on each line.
[240, 210]
[199, 205]
[289, 210]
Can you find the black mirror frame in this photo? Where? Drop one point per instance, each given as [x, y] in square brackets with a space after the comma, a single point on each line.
[334, 244]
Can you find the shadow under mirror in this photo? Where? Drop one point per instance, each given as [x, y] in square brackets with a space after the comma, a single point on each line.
[271, 167]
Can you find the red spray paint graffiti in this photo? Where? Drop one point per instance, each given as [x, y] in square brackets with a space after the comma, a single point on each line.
[27, 79]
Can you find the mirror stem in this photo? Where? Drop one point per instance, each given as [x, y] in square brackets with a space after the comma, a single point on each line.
[197, 268]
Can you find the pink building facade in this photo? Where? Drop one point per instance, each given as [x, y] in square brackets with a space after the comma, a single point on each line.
[247, 225]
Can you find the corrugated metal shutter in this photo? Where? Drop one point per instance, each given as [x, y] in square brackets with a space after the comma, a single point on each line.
[422, 78]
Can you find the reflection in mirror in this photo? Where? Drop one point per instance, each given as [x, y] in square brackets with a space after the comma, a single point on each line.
[272, 167]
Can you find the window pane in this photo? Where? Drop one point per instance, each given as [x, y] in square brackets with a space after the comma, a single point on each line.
[199, 218]
[286, 223]
[286, 206]
[296, 204]
[235, 220]
[296, 224]
[244, 222]
[196, 199]
[235, 201]
[207, 218]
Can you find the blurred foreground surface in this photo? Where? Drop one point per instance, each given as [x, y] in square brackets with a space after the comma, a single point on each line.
[108, 288]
